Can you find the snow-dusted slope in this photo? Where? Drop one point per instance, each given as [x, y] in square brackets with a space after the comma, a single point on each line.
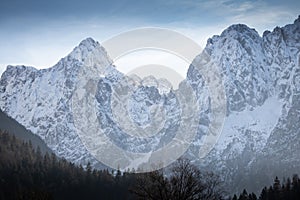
[261, 76]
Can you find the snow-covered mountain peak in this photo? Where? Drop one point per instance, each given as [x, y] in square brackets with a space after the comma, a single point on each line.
[14, 70]
[88, 42]
[90, 53]
[239, 29]
[238, 55]
[16, 74]
[237, 36]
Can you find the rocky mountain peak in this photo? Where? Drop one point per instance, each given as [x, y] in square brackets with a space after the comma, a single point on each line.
[89, 53]
[88, 42]
[238, 30]
[15, 70]
[237, 40]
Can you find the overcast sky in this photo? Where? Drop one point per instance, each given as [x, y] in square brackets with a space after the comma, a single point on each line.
[39, 33]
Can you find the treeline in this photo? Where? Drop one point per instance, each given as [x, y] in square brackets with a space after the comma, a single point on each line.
[27, 174]
[289, 190]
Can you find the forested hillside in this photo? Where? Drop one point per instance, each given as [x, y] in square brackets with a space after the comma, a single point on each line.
[13, 127]
[26, 174]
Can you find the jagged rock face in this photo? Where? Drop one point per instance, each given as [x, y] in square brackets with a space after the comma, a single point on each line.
[261, 77]
[238, 54]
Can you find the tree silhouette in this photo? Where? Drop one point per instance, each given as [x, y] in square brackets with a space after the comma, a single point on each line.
[185, 182]
[288, 191]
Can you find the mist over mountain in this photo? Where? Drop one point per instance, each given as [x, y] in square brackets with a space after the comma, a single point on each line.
[261, 76]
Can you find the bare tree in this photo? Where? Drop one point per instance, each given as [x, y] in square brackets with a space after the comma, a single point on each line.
[185, 182]
[152, 186]
[213, 188]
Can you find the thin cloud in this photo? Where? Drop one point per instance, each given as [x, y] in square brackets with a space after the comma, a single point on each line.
[264, 17]
[258, 14]
[42, 41]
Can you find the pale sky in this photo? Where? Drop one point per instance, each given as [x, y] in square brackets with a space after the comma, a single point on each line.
[39, 33]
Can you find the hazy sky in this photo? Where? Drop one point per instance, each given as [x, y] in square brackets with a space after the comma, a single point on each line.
[38, 33]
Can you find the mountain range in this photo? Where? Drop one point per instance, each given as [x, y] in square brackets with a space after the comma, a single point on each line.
[261, 77]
